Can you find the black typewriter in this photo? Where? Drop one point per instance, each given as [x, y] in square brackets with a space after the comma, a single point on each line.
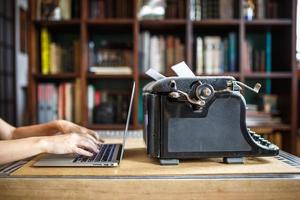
[199, 117]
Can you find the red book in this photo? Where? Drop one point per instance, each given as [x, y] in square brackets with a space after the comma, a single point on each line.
[97, 98]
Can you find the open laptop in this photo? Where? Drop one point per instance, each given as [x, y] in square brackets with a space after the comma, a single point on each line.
[109, 155]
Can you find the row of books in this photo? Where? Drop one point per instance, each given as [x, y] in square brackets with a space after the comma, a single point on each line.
[162, 9]
[159, 52]
[107, 107]
[56, 101]
[260, 9]
[57, 9]
[264, 114]
[110, 60]
[210, 9]
[56, 57]
[258, 53]
[111, 9]
[215, 55]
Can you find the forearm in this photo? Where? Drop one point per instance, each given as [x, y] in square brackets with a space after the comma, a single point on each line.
[13, 150]
[46, 129]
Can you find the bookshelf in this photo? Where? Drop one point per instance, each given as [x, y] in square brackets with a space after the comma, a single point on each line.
[283, 76]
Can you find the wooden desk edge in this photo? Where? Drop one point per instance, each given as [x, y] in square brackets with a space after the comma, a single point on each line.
[63, 188]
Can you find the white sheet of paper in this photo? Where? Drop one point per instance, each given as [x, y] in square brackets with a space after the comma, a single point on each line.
[182, 70]
[154, 74]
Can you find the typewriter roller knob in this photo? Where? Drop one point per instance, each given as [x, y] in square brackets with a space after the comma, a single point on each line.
[204, 91]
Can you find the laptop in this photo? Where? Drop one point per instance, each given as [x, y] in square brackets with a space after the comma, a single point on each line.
[110, 155]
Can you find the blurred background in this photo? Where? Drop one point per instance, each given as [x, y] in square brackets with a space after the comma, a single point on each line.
[77, 59]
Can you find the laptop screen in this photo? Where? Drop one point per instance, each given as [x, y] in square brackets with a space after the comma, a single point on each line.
[127, 120]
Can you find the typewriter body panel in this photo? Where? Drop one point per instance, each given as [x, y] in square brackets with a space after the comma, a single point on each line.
[199, 117]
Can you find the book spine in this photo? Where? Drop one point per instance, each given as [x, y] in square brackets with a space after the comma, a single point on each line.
[232, 52]
[268, 61]
[45, 40]
[268, 52]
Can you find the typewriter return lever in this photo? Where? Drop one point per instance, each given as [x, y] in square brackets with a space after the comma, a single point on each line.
[255, 89]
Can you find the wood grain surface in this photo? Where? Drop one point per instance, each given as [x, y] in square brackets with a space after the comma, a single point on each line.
[148, 189]
[137, 163]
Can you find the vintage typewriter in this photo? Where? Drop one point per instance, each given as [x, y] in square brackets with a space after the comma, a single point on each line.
[199, 117]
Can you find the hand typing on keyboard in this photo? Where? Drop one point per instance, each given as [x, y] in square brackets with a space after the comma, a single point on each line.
[80, 143]
[58, 137]
[64, 127]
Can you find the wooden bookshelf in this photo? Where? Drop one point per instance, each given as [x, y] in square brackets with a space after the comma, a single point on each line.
[283, 28]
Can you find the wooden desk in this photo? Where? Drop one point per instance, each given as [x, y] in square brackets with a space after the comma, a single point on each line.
[140, 177]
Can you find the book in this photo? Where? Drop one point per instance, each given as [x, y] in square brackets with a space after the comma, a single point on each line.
[216, 54]
[58, 54]
[260, 11]
[90, 102]
[232, 50]
[111, 61]
[105, 9]
[212, 9]
[107, 106]
[55, 102]
[65, 9]
[77, 93]
[45, 48]
[159, 51]
[57, 9]
[115, 70]
[226, 9]
[258, 50]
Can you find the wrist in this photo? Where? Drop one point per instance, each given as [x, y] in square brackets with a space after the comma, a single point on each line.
[56, 126]
[44, 144]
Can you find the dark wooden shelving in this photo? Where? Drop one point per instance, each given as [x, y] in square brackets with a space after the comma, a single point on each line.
[63, 76]
[236, 74]
[217, 22]
[109, 76]
[58, 23]
[269, 75]
[187, 30]
[110, 21]
[163, 24]
[272, 127]
[269, 22]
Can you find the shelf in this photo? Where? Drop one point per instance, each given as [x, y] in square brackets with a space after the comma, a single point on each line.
[163, 24]
[219, 22]
[108, 126]
[278, 75]
[269, 22]
[108, 76]
[110, 22]
[53, 23]
[271, 127]
[64, 76]
[234, 74]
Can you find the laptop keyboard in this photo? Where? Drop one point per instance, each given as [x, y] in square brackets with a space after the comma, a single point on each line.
[106, 152]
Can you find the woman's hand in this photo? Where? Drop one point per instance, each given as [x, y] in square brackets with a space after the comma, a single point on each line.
[80, 143]
[65, 127]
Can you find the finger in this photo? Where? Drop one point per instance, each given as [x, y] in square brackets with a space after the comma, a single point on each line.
[94, 134]
[93, 139]
[88, 144]
[83, 152]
